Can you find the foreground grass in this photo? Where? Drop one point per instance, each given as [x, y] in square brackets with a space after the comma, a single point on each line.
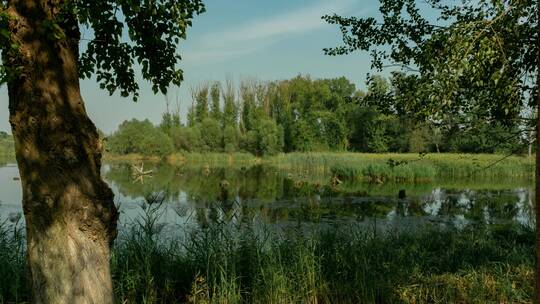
[243, 263]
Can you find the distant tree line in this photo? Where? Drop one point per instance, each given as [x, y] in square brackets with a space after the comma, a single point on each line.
[7, 147]
[305, 114]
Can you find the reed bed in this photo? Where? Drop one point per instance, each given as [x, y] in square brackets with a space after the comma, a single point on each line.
[247, 263]
[376, 168]
[380, 168]
[215, 160]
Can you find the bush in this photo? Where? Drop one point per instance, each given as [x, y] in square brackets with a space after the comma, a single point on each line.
[231, 138]
[140, 137]
[211, 135]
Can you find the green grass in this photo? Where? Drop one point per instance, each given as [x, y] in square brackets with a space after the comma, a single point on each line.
[13, 275]
[243, 263]
[214, 160]
[374, 168]
[407, 167]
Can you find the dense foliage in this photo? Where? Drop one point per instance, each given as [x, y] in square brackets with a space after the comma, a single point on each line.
[304, 114]
[125, 35]
[475, 57]
[140, 137]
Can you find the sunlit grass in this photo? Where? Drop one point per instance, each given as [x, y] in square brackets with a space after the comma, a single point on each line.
[375, 168]
[407, 167]
[213, 159]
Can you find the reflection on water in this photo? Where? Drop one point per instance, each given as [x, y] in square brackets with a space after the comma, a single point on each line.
[199, 196]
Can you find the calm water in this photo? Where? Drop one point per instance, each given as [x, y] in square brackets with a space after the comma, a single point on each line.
[197, 196]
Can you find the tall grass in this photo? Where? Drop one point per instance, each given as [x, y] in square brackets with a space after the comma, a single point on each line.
[375, 168]
[13, 274]
[381, 168]
[218, 160]
[247, 263]
[242, 264]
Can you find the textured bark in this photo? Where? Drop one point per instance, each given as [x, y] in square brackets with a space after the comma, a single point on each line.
[69, 210]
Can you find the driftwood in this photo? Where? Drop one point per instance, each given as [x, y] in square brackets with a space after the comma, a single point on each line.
[138, 173]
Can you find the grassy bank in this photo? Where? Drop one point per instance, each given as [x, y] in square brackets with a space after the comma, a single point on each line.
[407, 167]
[376, 168]
[246, 264]
[199, 160]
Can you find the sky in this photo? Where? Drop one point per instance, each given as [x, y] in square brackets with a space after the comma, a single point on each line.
[261, 39]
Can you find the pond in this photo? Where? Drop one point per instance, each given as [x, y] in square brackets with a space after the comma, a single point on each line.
[196, 196]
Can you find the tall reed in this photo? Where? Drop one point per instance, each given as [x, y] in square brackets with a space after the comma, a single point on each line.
[253, 263]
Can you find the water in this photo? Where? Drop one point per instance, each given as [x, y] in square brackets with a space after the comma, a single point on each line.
[197, 196]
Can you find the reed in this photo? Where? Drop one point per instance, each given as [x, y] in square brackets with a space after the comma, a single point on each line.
[376, 168]
[249, 263]
[213, 159]
[381, 168]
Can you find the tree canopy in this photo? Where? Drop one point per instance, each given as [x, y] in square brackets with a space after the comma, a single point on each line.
[305, 114]
[125, 35]
[475, 56]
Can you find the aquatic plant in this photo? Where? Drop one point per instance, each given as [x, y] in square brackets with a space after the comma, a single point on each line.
[251, 263]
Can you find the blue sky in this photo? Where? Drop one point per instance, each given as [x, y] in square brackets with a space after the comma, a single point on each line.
[266, 40]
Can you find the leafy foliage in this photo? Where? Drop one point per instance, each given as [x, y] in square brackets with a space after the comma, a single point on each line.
[302, 114]
[479, 58]
[139, 137]
[126, 34]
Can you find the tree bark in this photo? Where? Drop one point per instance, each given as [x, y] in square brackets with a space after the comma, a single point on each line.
[69, 210]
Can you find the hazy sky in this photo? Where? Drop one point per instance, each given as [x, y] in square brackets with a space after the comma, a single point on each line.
[267, 40]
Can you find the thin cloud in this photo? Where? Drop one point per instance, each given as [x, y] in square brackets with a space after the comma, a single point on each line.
[299, 21]
[213, 54]
[253, 36]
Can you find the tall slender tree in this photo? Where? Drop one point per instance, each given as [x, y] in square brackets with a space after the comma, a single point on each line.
[200, 97]
[249, 105]
[230, 106]
[215, 96]
[69, 210]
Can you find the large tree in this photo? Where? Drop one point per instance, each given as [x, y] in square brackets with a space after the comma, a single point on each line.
[476, 57]
[69, 210]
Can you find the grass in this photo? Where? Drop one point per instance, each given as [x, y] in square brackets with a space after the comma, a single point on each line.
[129, 158]
[214, 160]
[408, 167]
[374, 168]
[246, 263]
[13, 275]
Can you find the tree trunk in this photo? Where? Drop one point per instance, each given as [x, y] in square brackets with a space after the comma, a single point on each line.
[69, 210]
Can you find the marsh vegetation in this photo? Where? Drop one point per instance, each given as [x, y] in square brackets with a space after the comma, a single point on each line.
[240, 229]
[250, 262]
